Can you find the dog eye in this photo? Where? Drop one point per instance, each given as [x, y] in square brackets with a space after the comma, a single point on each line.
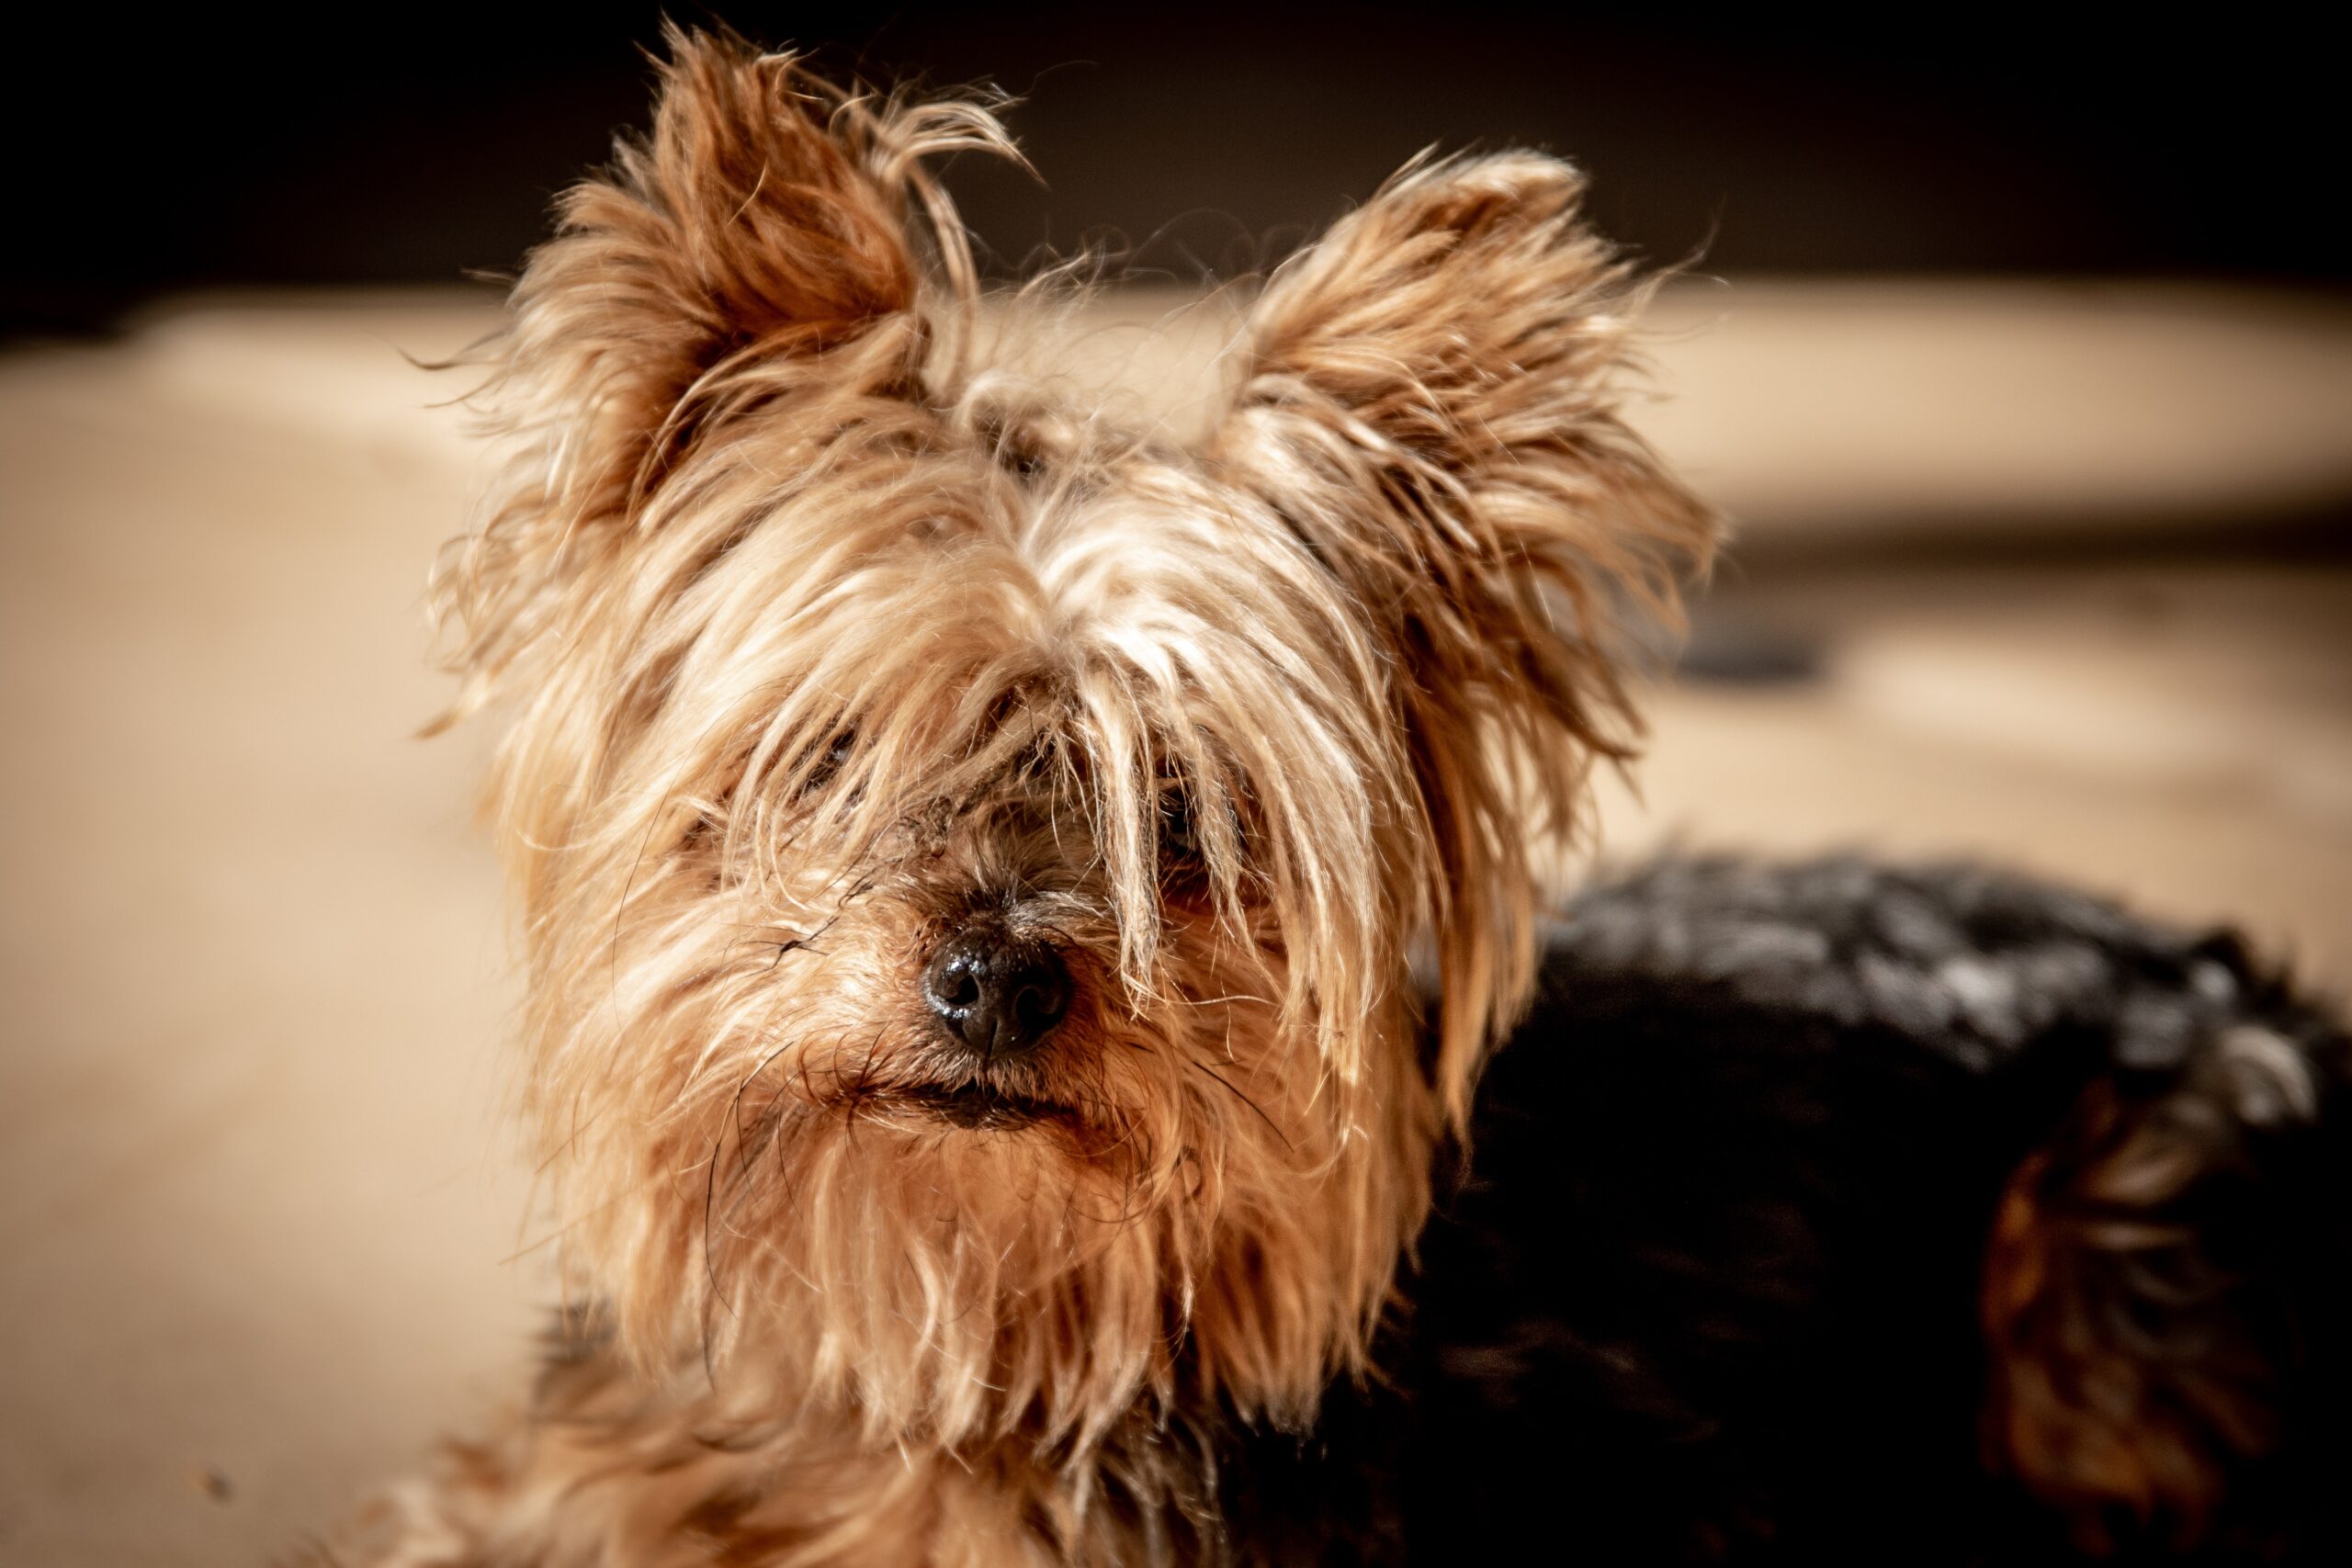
[1176, 832]
[828, 765]
[1180, 845]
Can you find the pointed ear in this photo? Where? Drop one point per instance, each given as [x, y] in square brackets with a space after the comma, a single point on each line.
[774, 240]
[1429, 398]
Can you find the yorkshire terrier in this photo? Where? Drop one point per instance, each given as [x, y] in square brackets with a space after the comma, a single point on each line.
[1018, 912]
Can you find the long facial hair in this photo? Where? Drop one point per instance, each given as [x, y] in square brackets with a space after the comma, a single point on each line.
[822, 637]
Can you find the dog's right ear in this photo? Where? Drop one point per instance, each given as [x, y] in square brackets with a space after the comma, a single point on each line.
[1431, 398]
[772, 242]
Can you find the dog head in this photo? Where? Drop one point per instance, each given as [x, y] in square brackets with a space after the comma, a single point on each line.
[969, 851]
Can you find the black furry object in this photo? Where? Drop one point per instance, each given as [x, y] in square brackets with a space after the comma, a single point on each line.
[1832, 1212]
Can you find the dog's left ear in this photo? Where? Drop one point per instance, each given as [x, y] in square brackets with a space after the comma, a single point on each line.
[775, 243]
[1429, 398]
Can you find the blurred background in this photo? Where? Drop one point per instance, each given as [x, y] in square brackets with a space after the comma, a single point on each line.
[2022, 352]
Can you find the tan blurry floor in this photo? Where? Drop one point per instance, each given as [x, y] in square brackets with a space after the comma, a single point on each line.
[258, 1235]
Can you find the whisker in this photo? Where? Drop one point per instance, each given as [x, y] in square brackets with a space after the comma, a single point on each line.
[1245, 1100]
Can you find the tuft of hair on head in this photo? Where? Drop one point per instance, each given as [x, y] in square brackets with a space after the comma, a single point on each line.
[777, 238]
[1430, 395]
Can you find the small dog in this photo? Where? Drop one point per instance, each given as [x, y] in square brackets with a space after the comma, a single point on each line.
[974, 860]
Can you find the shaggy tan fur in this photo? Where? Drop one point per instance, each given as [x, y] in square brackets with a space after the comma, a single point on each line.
[2130, 1369]
[822, 641]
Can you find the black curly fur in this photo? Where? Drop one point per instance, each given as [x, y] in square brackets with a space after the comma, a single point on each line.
[1706, 1286]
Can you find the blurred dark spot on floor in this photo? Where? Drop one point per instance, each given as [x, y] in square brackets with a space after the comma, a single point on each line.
[1728, 651]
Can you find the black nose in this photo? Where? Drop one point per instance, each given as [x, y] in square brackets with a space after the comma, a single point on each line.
[997, 994]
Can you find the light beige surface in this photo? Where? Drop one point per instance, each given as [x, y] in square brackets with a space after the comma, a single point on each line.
[250, 1215]
[2178, 735]
[257, 1239]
